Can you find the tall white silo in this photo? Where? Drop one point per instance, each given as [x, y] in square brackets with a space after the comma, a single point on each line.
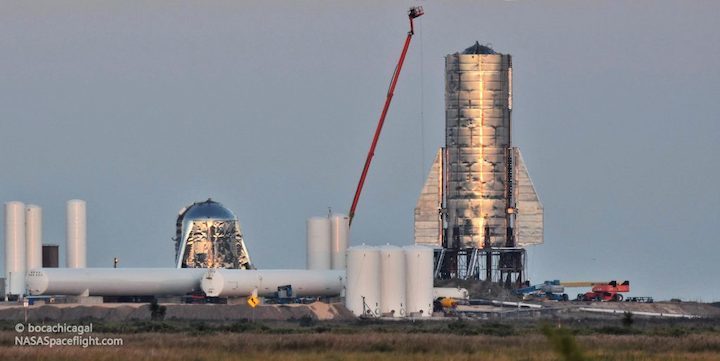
[362, 287]
[340, 228]
[392, 281]
[15, 266]
[318, 243]
[419, 277]
[33, 236]
[76, 227]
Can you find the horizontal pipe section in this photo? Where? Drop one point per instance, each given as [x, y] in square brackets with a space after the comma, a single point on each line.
[516, 304]
[114, 281]
[638, 313]
[305, 283]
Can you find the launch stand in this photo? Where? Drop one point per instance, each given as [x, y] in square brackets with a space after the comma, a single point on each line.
[504, 265]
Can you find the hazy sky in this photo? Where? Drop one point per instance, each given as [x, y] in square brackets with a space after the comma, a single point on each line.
[141, 108]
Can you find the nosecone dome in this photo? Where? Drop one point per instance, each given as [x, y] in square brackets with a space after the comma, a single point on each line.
[479, 49]
[208, 210]
[208, 235]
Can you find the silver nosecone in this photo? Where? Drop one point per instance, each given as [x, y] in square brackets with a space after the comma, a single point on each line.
[208, 210]
[208, 235]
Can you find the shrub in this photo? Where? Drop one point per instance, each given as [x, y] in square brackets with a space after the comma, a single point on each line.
[381, 347]
[157, 312]
[563, 342]
[307, 321]
[615, 330]
[627, 319]
[497, 329]
[461, 327]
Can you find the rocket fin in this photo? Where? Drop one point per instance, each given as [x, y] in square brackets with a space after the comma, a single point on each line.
[428, 226]
[529, 221]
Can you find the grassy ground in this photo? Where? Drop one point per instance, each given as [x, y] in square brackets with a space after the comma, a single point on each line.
[384, 341]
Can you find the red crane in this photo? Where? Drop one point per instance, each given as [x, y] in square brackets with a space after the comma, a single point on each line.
[413, 13]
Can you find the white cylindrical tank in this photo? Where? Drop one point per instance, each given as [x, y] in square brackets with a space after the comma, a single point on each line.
[419, 276]
[114, 281]
[450, 292]
[33, 236]
[318, 243]
[340, 228]
[76, 234]
[15, 248]
[220, 282]
[362, 288]
[392, 281]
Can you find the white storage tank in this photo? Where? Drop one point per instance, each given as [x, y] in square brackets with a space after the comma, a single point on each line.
[340, 228]
[362, 286]
[15, 248]
[219, 282]
[33, 236]
[114, 281]
[318, 243]
[392, 281]
[76, 234]
[419, 276]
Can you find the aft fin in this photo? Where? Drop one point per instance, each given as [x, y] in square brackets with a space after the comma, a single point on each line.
[428, 226]
[529, 221]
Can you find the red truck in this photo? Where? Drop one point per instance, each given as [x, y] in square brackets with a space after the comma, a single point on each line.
[609, 292]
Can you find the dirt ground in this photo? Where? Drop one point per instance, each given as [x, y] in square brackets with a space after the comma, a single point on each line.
[139, 311]
[114, 312]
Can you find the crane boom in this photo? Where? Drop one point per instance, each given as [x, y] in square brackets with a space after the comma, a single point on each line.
[413, 13]
[587, 283]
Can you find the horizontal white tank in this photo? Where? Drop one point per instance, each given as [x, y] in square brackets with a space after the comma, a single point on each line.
[114, 281]
[419, 274]
[76, 234]
[33, 236]
[318, 243]
[15, 248]
[392, 281]
[220, 282]
[340, 228]
[362, 290]
[451, 292]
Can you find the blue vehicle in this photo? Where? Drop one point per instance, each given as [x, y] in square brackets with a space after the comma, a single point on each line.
[546, 291]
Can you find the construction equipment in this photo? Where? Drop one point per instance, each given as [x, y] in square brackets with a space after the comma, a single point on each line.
[602, 292]
[448, 305]
[640, 299]
[413, 13]
[447, 302]
[554, 291]
[546, 291]
[574, 284]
